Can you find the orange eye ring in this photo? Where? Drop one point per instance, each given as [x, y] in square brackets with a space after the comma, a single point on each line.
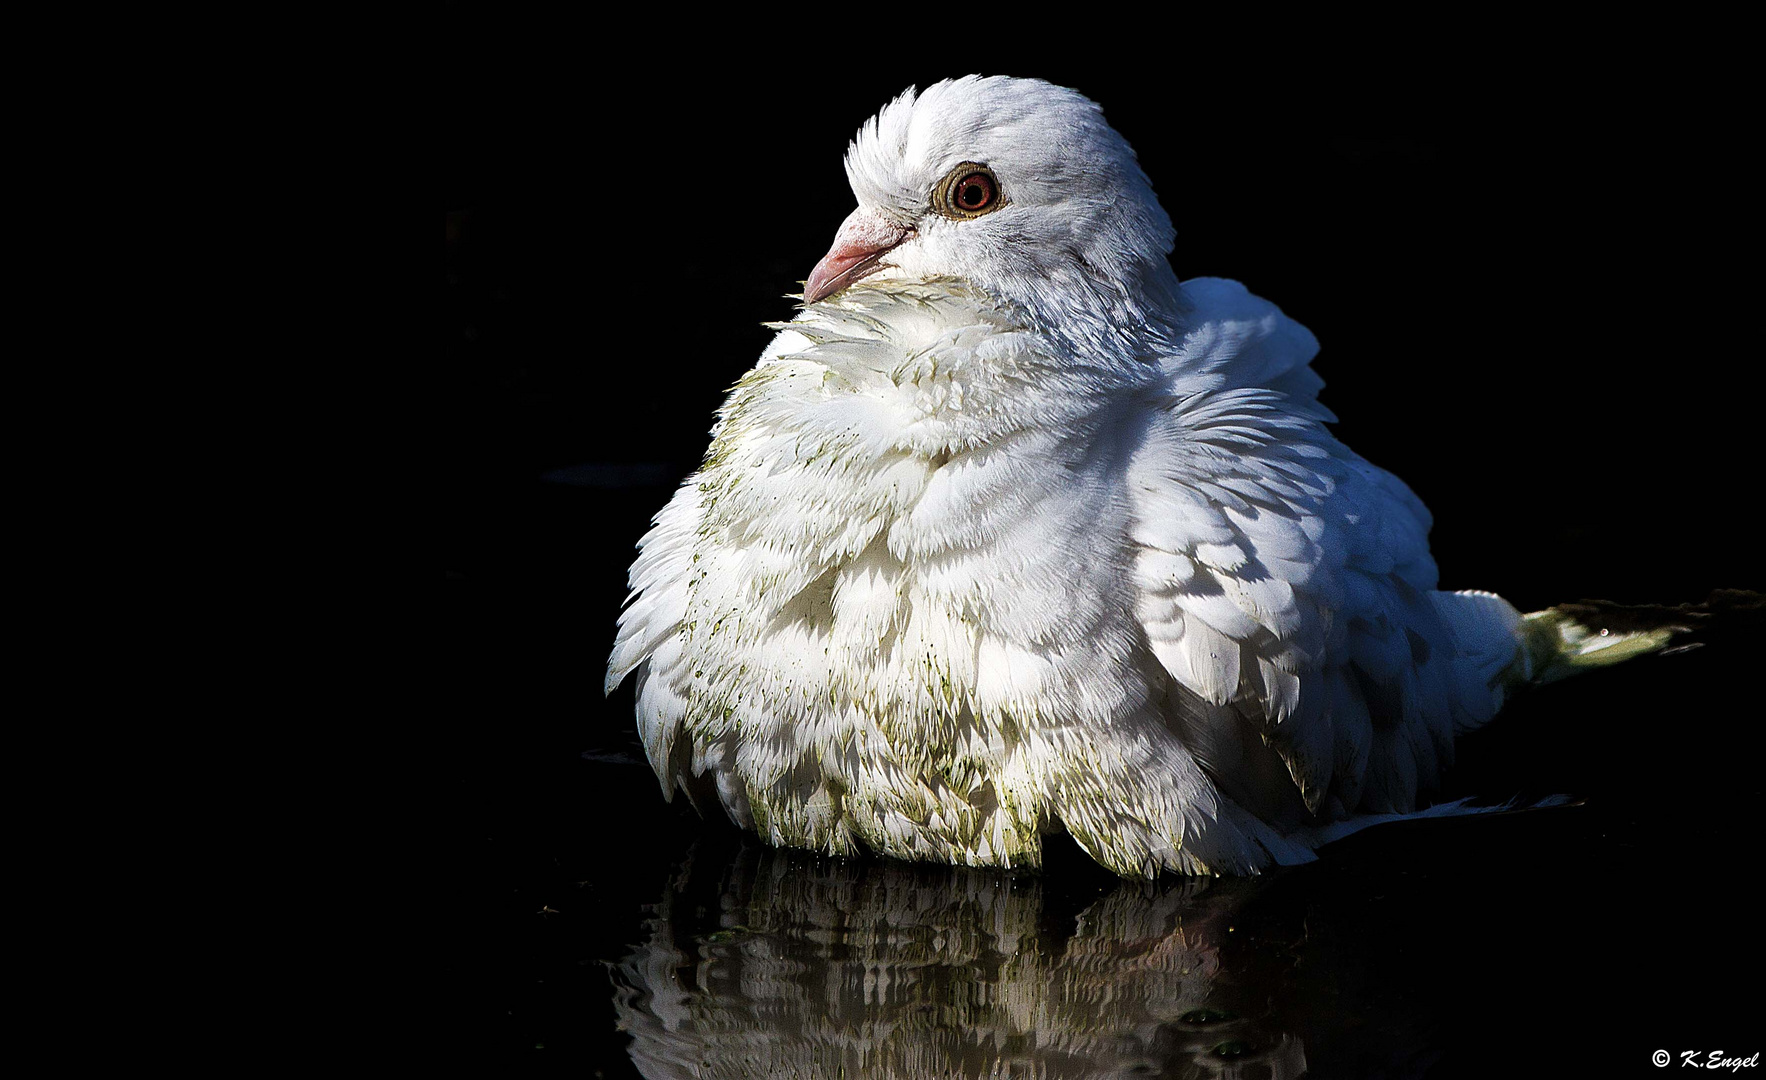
[969, 191]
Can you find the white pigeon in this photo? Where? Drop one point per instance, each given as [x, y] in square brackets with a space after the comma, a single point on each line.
[1011, 532]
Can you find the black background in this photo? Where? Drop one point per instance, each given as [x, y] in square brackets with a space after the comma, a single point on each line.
[1529, 308]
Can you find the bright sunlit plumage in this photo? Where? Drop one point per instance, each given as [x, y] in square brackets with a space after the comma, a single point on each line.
[1009, 533]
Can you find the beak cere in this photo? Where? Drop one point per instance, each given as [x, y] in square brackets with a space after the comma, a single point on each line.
[864, 238]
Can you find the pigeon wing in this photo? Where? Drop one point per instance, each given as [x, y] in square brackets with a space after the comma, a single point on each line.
[1286, 586]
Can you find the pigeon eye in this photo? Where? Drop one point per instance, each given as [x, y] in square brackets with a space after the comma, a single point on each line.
[974, 192]
[969, 191]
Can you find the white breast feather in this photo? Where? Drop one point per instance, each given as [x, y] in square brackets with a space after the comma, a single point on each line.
[935, 593]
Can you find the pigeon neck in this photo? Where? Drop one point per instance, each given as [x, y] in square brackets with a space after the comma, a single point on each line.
[1131, 320]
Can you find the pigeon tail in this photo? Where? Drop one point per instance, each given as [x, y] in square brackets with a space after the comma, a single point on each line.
[1572, 638]
[1320, 835]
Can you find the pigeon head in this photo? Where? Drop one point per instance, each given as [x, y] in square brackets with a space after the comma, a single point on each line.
[1015, 186]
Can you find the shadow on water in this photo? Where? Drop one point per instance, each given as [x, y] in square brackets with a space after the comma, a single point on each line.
[784, 964]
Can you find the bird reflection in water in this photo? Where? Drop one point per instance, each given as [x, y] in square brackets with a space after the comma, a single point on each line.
[783, 964]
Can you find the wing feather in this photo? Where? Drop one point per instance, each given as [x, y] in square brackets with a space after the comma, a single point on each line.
[1284, 576]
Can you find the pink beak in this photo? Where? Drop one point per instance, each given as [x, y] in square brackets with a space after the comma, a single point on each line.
[864, 237]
